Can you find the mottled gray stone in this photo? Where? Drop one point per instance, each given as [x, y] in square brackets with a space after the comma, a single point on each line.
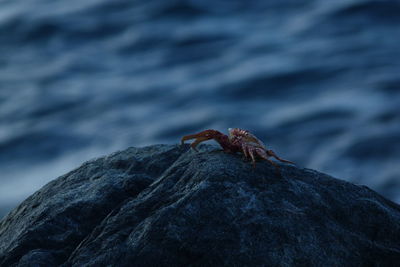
[165, 205]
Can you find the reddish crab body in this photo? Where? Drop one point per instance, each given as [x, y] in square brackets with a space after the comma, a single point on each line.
[239, 140]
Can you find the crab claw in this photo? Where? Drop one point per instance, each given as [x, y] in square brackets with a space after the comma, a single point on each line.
[200, 137]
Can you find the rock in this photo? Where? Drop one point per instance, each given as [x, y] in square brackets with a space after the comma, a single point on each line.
[166, 205]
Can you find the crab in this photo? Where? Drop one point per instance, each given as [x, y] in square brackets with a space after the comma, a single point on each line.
[239, 140]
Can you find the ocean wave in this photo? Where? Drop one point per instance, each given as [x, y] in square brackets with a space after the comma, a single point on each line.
[317, 81]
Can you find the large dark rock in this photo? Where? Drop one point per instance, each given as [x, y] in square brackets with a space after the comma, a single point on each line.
[169, 206]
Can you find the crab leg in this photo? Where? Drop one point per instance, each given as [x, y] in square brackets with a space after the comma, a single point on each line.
[264, 155]
[253, 158]
[244, 148]
[272, 154]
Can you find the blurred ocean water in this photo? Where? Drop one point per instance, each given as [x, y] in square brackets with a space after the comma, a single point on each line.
[318, 81]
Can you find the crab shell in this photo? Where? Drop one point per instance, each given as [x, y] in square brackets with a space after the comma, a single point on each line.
[239, 136]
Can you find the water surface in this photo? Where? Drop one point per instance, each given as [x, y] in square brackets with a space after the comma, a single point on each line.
[318, 81]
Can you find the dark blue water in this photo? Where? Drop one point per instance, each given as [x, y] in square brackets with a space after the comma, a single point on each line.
[318, 81]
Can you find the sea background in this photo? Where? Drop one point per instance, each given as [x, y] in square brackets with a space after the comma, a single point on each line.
[317, 80]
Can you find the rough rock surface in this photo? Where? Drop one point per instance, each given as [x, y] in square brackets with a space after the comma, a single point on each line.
[165, 205]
